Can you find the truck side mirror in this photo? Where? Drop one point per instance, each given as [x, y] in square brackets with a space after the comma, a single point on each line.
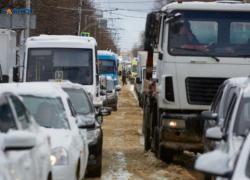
[209, 115]
[150, 25]
[137, 80]
[5, 79]
[15, 74]
[119, 73]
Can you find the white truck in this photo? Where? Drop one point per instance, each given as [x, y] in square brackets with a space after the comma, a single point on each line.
[61, 58]
[8, 54]
[141, 74]
[200, 44]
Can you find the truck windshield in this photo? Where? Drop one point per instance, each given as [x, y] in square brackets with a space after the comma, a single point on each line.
[60, 64]
[215, 33]
[134, 68]
[107, 66]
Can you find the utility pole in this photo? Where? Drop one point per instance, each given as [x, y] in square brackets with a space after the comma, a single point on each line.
[80, 17]
[27, 31]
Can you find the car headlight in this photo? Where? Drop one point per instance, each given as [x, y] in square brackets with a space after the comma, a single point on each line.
[59, 156]
[174, 123]
[93, 134]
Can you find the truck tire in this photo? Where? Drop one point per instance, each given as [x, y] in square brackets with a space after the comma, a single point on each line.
[147, 143]
[166, 155]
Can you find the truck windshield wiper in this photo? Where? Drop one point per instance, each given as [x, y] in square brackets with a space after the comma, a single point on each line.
[196, 50]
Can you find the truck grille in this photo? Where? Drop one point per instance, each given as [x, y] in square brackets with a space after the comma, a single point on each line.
[202, 90]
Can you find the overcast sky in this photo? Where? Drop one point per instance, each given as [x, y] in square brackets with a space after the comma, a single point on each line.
[133, 17]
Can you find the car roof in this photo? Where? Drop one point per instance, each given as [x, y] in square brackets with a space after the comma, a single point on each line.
[71, 85]
[39, 89]
[239, 81]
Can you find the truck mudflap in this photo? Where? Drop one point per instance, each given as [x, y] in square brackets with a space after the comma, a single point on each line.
[186, 137]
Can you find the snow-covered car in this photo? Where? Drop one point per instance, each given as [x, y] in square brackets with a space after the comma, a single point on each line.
[229, 136]
[110, 94]
[53, 111]
[219, 108]
[87, 119]
[22, 142]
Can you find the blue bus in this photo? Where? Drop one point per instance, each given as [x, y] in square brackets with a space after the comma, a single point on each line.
[108, 65]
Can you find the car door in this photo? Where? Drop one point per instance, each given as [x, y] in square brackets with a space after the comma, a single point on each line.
[79, 141]
[20, 162]
[32, 164]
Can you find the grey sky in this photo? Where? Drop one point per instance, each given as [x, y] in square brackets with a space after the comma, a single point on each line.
[132, 25]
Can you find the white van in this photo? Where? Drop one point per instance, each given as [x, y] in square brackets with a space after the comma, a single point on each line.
[61, 58]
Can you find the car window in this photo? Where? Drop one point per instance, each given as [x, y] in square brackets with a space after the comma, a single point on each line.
[7, 120]
[242, 122]
[229, 114]
[48, 112]
[80, 101]
[217, 99]
[21, 112]
[110, 85]
[228, 99]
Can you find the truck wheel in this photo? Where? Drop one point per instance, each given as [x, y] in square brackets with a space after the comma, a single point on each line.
[166, 155]
[147, 143]
[156, 142]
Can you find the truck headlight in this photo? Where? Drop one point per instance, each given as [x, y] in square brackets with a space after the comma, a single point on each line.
[174, 123]
[111, 96]
[59, 156]
[92, 135]
[115, 79]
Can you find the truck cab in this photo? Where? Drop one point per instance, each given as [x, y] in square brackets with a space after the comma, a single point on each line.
[63, 58]
[199, 45]
[108, 65]
[133, 70]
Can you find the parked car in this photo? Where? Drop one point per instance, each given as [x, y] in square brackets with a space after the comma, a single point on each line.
[230, 136]
[53, 111]
[125, 64]
[24, 148]
[220, 106]
[109, 94]
[87, 119]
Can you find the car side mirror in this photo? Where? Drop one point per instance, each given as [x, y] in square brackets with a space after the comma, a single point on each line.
[19, 140]
[104, 111]
[118, 88]
[137, 80]
[214, 163]
[209, 115]
[5, 79]
[97, 104]
[102, 93]
[214, 134]
[15, 74]
[119, 73]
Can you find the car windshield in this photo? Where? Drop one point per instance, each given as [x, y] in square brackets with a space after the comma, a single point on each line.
[48, 112]
[110, 85]
[214, 33]
[107, 66]
[79, 100]
[60, 64]
[242, 123]
[134, 68]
